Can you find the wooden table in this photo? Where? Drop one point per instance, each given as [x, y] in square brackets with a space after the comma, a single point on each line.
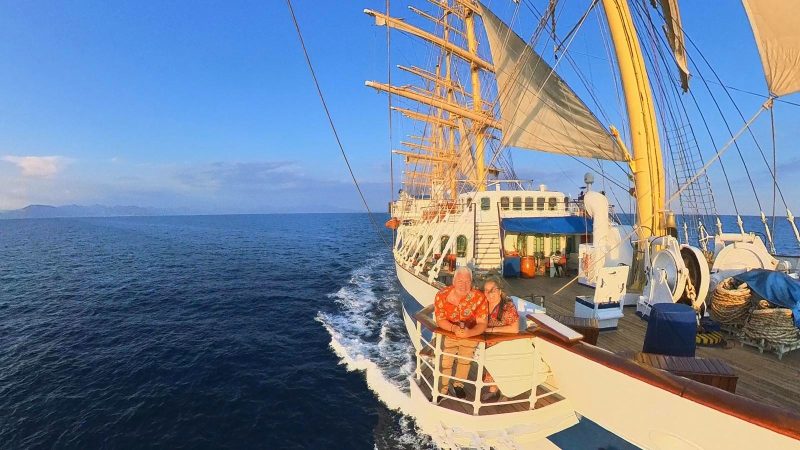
[711, 371]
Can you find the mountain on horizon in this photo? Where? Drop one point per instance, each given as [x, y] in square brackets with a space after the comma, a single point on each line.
[49, 211]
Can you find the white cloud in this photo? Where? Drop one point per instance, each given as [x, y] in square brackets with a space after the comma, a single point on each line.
[36, 166]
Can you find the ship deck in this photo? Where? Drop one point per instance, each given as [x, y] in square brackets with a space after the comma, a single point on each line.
[762, 377]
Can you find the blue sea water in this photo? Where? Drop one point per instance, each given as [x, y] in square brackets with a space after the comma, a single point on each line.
[202, 332]
[262, 331]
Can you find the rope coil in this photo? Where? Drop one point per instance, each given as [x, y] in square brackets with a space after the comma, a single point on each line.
[730, 302]
[774, 325]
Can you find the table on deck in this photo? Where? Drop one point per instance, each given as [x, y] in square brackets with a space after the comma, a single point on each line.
[711, 371]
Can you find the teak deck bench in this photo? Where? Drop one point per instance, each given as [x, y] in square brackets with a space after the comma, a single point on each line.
[711, 371]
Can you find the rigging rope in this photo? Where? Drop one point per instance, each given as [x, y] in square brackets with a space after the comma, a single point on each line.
[679, 143]
[389, 101]
[699, 110]
[770, 99]
[378, 230]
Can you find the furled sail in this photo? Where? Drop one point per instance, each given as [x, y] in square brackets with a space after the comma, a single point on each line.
[674, 31]
[538, 110]
[777, 33]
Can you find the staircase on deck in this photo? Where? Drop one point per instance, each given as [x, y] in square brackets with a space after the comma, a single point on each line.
[487, 245]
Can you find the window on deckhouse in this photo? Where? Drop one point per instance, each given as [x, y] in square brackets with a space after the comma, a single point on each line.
[461, 246]
[528, 203]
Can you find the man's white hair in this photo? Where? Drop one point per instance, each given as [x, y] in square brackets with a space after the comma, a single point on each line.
[463, 269]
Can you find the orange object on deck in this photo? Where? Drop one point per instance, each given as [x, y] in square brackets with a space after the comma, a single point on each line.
[451, 261]
[528, 266]
[392, 223]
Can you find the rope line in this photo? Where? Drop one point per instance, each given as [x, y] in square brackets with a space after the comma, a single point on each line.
[333, 127]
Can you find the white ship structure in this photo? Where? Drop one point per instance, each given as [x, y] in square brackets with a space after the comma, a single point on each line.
[485, 90]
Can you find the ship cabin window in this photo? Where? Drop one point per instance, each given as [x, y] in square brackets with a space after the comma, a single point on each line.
[528, 203]
[571, 245]
[551, 204]
[517, 202]
[504, 203]
[555, 244]
[443, 241]
[485, 203]
[540, 204]
[461, 246]
[522, 247]
[538, 245]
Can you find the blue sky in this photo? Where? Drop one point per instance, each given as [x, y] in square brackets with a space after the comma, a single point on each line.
[208, 106]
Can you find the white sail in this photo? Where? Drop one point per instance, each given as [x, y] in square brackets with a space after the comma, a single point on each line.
[538, 109]
[777, 31]
[674, 32]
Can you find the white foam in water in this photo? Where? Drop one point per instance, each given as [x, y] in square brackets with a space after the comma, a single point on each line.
[361, 337]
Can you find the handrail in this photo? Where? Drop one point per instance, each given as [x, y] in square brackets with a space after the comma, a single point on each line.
[423, 316]
[474, 234]
[770, 417]
[559, 330]
[502, 234]
[483, 342]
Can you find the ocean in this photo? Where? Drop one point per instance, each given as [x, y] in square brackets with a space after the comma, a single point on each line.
[246, 331]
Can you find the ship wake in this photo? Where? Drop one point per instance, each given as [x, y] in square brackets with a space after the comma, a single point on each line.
[368, 335]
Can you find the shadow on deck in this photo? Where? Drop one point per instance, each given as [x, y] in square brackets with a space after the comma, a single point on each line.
[762, 377]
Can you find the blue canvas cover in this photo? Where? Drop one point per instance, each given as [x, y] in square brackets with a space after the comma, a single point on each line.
[777, 287]
[671, 330]
[548, 225]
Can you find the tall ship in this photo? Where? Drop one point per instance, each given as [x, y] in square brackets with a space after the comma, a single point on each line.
[481, 89]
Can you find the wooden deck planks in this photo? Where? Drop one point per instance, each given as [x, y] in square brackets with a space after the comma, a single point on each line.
[762, 377]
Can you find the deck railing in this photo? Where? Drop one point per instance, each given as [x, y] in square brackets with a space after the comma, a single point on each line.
[432, 340]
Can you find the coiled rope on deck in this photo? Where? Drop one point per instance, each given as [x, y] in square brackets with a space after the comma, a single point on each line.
[730, 302]
[774, 325]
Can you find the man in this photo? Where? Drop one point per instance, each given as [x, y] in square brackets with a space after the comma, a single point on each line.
[463, 311]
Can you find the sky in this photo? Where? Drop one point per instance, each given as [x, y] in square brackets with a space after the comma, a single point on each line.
[208, 107]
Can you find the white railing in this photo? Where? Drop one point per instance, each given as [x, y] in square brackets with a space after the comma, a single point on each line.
[429, 357]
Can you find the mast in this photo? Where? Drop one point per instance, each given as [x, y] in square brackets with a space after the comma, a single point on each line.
[646, 163]
[477, 102]
[458, 120]
[451, 131]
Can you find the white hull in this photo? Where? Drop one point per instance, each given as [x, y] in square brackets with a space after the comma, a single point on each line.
[423, 292]
[646, 415]
[530, 429]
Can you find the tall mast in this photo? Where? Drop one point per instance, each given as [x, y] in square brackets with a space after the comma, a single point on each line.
[477, 101]
[451, 132]
[450, 113]
[646, 164]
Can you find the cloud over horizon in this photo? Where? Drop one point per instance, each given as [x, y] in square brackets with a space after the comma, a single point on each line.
[36, 166]
[200, 187]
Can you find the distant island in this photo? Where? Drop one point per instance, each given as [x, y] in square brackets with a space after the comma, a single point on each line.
[48, 211]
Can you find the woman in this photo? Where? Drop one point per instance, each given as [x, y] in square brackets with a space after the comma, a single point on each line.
[503, 318]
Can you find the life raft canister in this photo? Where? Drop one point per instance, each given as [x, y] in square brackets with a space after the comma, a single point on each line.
[392, 223]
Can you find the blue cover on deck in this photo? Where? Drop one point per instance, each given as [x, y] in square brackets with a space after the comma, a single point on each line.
[548, 225]
[511, 266]
[671, 330]
[777, 287]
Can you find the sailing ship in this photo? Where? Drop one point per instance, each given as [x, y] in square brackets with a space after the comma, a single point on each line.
[485, 90]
